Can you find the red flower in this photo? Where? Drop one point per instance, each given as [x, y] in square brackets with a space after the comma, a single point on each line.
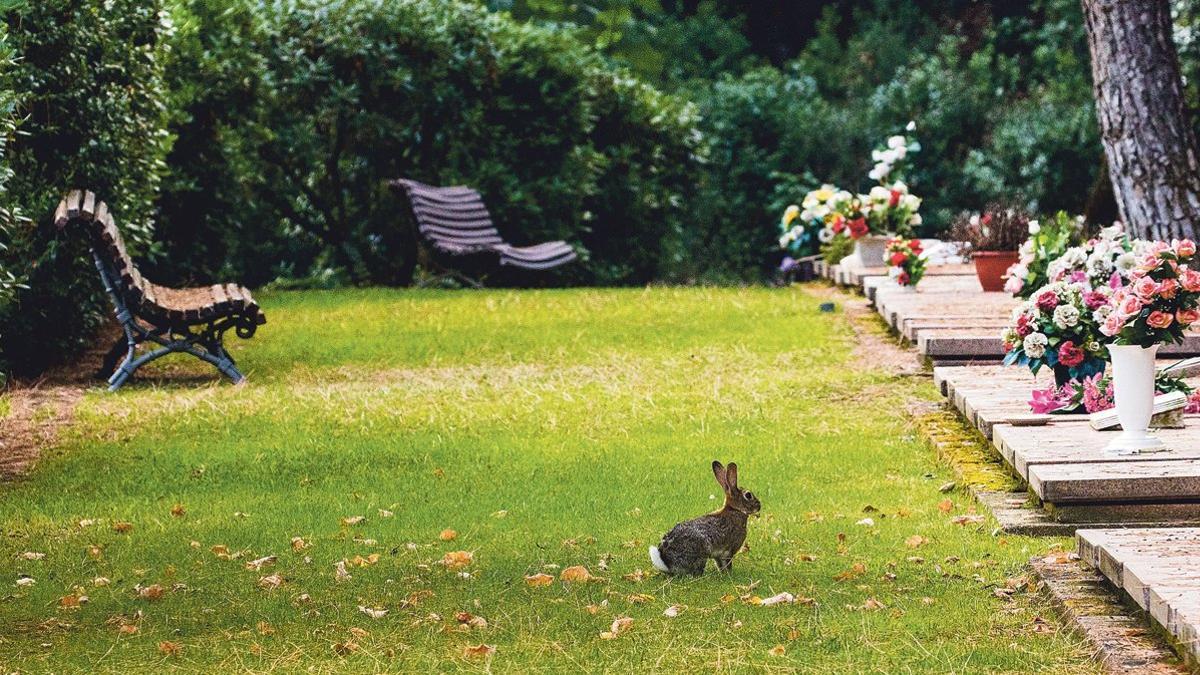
[903, 279]
[1047, 301]
[1070, 355]
[915, 245]
[858, 227]
[1023, 327]
[898, 259]
[895, 199]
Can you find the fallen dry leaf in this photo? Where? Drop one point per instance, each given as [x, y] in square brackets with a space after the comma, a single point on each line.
[72, 601]
[855, 571]
[448, 535]
[372, 612]
[457, 559]
[640, 598]
[152, 592]
[577, 574]
[339, 571]
[101, 581]
[170, 648]
[359, 561]
[262, 562]
[122, 527]
[636, 575]
[539, 579]
[127, 629]
[298, 544]
[95, 552]
[945, 506]
[345, 648]
[777, 650]
[478, 651]
[25, 581]
[866, 522]
[967, 519]
[264, 628]
[469, 619]
[350, 521]
[221, 551]
[873, 604]
[30, 555]
[782, 598]
[384, 513]
[915, 541]
[673, 611]
[620, 625]
[178, 511]
[270, 582]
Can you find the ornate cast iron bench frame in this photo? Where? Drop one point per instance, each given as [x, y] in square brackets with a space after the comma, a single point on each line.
[192, 321]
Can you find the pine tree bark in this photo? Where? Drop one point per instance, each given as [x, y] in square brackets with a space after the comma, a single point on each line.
[1153, 159]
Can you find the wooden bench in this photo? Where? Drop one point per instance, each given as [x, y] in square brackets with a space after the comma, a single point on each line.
[178, 320]
[457, 223]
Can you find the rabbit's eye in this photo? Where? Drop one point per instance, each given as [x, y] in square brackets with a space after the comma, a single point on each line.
[749, 494]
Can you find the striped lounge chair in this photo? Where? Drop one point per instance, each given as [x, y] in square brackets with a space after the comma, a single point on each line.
[455, 221]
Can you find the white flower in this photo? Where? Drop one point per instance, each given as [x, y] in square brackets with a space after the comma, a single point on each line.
[877, 155]
[825, 235]
[1066, 316]
[974, 220]
[879, 194]
[900, 152]
[911, 127]
[900, 187]
[915, 219]
[785, 240]
[1034, 227]
[880, 171]
[897, 142]
[1035, 345]
[1125, 263]
[1102, 313]
[910, 202]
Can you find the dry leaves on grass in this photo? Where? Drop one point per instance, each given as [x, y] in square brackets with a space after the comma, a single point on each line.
[967, 519]
[298, 544]
[72, 601]
[122, 527]
[270, 582]
[31, 555]
[539, 579]
[945, 506]
[855, 571]
[470, 620]
[915, 541]
[457, 559]
[373, 612]
[479, 651]
[636, 576]
[578, 574]
[339, 571]
[257, 565]
[673, 611]
[178, 511]
[448, 535]
[620, 625]
[640, 598]
[152, 592]
[351, 521]
[777, 650]
[168, 648]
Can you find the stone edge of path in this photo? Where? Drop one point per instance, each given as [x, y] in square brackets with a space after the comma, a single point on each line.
[1124, 642]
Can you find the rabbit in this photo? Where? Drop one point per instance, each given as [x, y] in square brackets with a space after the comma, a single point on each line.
[718, 535]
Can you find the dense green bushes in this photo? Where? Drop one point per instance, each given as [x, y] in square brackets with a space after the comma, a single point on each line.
[293, 116]
[88, 86]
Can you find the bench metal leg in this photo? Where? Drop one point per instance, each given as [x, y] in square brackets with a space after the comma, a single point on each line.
[218, 358]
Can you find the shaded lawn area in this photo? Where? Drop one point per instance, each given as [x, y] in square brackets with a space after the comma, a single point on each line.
[548, 429]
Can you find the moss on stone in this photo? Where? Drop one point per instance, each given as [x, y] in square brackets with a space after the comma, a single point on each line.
[968, 453]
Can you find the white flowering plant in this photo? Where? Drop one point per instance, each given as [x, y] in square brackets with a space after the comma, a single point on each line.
[1059, 327]
[1107, 259]
[1048, 239]
[891, 209]
[890, 160]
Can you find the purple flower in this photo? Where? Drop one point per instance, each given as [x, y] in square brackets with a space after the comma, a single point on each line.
[788, 264]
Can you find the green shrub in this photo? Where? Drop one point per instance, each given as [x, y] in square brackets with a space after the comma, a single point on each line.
[295, 119]
[88, 77]
[11, 282]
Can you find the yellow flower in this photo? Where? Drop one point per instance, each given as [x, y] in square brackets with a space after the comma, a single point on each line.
[790, 214]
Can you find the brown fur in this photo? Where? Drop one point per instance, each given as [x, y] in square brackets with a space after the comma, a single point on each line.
[718, 535]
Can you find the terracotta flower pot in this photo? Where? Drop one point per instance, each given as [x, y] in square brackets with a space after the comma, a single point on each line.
[990, 267]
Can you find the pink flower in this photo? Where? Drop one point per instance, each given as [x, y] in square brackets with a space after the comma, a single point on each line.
[1013, 285]
[1023, 327]
[1094, 300]
[1193, 405]
[1070, 355]
[1190, 280]
[1167, 288]
[1047, 400]
[1130, 304]
[1047, 301]
[1159, 319]
[1145, 288]
[1095, 400]
[1187, 317]
[1184, 248]
[1113, 324]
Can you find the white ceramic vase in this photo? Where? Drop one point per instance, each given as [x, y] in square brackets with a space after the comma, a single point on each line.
[1133, 393]
[871, 249]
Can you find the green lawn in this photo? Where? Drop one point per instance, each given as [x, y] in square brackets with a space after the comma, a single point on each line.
[548, 429]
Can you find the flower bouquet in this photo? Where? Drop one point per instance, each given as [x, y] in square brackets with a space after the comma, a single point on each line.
[906, 260]
[891, 209]
[1095, 394]
[1158, 304]
[1047, 241]
[1104, 260]
[1059, 328]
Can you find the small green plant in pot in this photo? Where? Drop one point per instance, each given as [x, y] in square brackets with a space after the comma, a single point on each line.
[991, 239]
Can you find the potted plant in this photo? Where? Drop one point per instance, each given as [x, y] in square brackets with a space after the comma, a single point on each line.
[1161, 301]
[991, 239]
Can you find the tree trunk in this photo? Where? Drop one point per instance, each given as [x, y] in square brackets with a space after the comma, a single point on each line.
[1152, 154]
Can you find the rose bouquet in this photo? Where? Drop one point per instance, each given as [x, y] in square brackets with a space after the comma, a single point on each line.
[1161, 299]
[1058, 327]
[1047, 241]
[906, 261]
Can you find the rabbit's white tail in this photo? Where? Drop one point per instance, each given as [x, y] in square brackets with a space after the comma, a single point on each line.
[657, 561]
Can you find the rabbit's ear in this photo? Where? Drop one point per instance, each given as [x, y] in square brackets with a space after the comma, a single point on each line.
[731, 477]
[719, 473]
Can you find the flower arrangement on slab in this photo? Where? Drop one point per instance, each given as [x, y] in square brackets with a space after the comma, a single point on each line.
[829, 214]
[906, 261]
[1048, 240]
[1095, 394]
[1059, 328]
[1160, 302]
[1104, 260]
